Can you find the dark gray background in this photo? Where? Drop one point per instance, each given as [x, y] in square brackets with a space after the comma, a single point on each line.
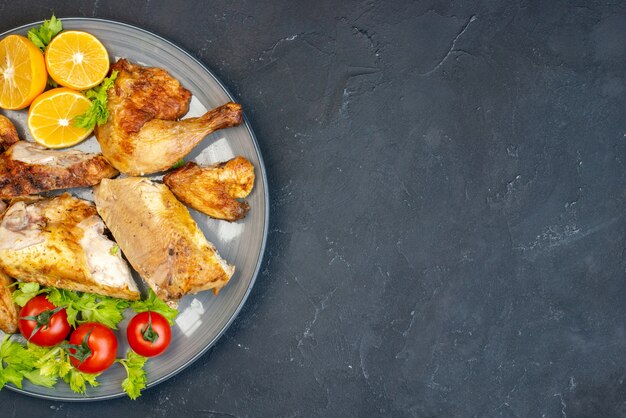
[447, 207]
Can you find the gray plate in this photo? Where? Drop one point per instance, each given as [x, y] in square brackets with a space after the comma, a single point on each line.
[204, 317]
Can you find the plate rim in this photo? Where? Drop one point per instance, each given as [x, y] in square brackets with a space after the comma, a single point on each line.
[261, 254]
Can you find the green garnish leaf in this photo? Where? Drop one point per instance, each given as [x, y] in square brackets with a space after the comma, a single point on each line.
[53, 363]
[136, 375]
[153, 303]
[105, 310]
[97, 114]
[78, 380]
[36, 377]
[51, 83]
[25, 292]
[42, 35]
[91, 307]
[16, 362]
[10, 374]
[178, 164]
[114, 249]
[67, 299]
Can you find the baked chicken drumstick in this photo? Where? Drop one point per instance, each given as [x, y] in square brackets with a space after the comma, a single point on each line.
[143, 134]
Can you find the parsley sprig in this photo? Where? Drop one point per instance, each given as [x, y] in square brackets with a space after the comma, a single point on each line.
[136, 375]
[154, 304]
[43, 34]
[97, 114]
[55, 362]
[18, 362]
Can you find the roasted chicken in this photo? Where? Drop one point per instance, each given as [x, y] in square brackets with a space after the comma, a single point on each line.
[28, 168]
[160, 238]
[60, 242]
[8, 309]
[8, 134]
[143, 134]
[214, 190]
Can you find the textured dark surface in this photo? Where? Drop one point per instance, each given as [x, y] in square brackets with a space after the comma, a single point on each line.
[448, 204]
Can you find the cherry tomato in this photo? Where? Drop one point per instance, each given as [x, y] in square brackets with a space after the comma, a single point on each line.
[42, 323]
[93, 347]
[149, 334]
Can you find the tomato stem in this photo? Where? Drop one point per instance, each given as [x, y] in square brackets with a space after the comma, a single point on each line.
[148, 333]
[81, 352]
[42, 319]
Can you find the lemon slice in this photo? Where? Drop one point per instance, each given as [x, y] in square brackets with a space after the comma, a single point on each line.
[77, 60]
[23, 73]
[51, 118]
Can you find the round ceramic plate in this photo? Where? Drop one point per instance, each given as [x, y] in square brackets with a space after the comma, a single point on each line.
[203, 317]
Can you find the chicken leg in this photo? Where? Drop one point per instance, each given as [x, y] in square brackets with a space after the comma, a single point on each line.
[143, 135]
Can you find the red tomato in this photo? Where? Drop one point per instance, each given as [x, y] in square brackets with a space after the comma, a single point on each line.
[42, 323]
[94, 347]
[149, 334]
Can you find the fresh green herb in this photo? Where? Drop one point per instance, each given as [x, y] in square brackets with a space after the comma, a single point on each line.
[51, 83]
[42, 35]
[97, 114]
[153, 303]
[178, 164]
[136, 375]
[115, 249]
[88, 307]
[18, 362]
[69, 300]
[56, 363]
[25, 292]
[78, 380]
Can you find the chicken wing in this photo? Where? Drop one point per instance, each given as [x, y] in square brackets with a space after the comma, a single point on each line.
[160, 238]
[214, 190]
[8, 309]
[8, 134]
[143, 134]
[28, 168]
[59, 242]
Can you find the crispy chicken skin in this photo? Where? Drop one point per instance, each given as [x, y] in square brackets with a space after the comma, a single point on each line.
[214, 190]
[8, 309]
[60, 242]
[8, 134]
[143, 134]
[28, 168]
[159, 238]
